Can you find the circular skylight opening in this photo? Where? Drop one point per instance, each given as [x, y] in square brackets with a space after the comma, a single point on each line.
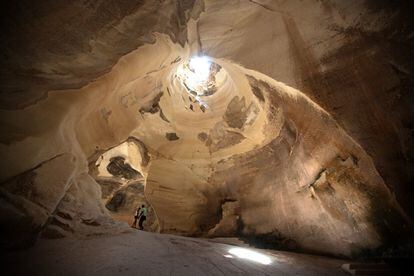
[200, 65]
[198, 75]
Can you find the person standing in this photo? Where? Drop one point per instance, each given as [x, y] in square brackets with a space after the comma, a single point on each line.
[142, 216]
[134, 223]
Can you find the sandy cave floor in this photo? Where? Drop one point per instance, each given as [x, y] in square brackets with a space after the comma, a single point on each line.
[144, 253]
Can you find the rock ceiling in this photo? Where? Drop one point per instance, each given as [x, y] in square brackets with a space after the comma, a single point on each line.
[302, 131]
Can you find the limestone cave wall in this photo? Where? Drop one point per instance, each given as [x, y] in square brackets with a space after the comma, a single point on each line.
[303, 137]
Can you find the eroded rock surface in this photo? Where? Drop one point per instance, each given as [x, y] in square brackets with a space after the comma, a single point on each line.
[300, 136]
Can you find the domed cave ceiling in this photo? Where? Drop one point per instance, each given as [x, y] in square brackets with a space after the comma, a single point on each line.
[298, 133]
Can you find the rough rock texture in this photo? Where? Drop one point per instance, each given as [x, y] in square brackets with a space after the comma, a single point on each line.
[80, 212]
[230, 222]
[307, 138]
[71, 44]
[354, 58]
[30, 198]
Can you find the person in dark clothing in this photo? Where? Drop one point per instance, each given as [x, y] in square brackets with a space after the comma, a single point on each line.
[142, 216]
[134, 223]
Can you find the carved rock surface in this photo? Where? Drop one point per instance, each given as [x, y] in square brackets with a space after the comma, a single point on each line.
[30, 199]
[302, 140]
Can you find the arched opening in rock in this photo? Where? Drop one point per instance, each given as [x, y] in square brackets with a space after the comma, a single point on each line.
[201, 76]
[121, 173]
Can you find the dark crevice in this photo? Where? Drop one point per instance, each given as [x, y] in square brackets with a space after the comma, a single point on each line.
[171, 136]
[118, 167]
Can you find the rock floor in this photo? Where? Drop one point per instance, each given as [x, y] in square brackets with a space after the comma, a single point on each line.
[143, 253]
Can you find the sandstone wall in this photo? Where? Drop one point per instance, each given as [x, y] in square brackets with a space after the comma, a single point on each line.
[315, 167]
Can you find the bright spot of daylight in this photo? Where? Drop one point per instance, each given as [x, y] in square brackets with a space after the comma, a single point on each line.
[251, 255]
[201, 67]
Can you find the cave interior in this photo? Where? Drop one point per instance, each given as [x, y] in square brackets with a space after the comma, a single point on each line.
[246, 128]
